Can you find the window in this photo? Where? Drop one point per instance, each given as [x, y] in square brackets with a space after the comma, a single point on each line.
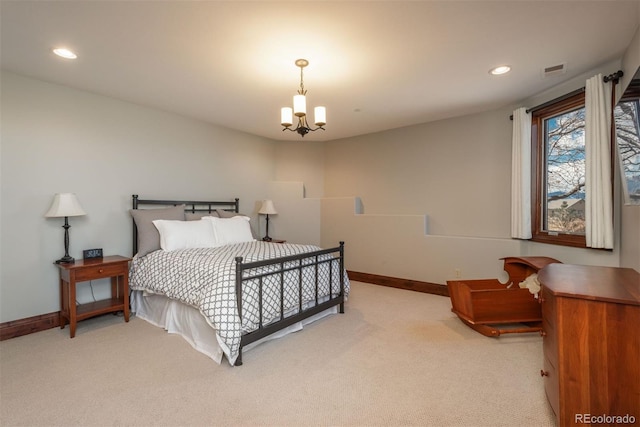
[627, 121]
[558, 155]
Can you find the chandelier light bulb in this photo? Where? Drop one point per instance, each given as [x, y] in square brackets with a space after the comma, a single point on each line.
[299, 105]
[286, 116]
[320, 114]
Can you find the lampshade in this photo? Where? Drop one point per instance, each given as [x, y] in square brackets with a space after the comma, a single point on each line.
[65, 204]
[267, 208]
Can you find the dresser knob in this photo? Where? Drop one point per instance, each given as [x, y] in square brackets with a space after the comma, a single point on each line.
[101, 270]
[543, 334]
[544, 373]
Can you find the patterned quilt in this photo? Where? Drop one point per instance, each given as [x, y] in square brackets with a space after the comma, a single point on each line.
[205, 279]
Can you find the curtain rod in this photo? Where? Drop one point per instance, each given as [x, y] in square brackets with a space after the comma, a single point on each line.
[615, 77]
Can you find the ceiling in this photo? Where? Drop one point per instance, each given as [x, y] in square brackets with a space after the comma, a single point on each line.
[374, 65]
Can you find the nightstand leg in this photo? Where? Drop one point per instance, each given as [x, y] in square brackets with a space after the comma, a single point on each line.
[63, 305]
[125, 295]
[120, 290]
[72, 308]
[115, 287]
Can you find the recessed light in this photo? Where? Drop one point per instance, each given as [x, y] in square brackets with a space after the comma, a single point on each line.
[502, 69]
[65, 53]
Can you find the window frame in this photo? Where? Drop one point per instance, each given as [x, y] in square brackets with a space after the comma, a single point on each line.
[632, 93]
[538, 180]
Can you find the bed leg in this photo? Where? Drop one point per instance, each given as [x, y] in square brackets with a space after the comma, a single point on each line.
[239, 358]
[341, 308]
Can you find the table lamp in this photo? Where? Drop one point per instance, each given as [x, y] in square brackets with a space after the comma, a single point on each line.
[267, 209]
[65, 205]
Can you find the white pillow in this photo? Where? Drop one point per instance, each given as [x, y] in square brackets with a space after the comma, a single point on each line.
[176, 235]
[231, 230]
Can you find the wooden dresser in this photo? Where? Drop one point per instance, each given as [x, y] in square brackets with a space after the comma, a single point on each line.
[591, 344]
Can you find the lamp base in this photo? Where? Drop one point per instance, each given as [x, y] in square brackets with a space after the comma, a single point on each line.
[267, 239]
[65, 260]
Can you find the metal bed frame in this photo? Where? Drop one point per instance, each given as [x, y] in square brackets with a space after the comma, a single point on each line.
[246, 271]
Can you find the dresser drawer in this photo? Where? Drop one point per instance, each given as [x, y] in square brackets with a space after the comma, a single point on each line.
[549, 342]
[100, 271]
[551, 385]
[549, 318]
[549, 305]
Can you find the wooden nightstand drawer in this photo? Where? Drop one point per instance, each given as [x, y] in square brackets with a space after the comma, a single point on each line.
[100, 271]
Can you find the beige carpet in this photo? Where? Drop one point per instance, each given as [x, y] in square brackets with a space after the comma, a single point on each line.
[394, 358]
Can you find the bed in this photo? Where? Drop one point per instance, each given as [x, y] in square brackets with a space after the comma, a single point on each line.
[198, 271]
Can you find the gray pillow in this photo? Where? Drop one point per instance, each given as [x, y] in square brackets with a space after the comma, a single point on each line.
[227, 214]
[148, 236]
[194, 216]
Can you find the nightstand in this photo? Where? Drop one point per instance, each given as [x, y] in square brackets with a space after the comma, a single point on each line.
[115, 267]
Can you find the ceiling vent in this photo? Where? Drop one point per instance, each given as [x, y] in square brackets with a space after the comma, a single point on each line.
[554, 70]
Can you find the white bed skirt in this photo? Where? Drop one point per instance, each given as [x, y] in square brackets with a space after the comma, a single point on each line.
[186, 321]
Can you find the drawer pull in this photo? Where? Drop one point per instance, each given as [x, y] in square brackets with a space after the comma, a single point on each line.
[101, 270]
[543, 334]
[544, 373]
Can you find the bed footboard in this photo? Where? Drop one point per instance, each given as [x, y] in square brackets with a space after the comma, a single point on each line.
[290, 272]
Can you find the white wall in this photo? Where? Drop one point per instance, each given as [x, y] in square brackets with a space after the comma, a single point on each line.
[301, 161]
[455, 176]
[56, 139]
[455, 171]
[296, 192]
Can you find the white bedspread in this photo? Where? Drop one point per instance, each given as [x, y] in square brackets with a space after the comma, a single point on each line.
[205, 279]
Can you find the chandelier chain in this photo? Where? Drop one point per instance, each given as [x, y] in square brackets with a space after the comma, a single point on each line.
[302, 91]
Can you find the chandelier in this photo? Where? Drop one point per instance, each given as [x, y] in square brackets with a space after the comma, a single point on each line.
[300, 109]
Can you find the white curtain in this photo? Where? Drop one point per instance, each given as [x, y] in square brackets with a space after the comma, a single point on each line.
[598, 191]
[521, 175]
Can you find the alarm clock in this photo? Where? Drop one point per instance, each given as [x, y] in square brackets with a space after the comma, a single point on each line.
[92, 253]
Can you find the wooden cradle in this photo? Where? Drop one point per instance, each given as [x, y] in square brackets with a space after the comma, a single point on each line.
[493, 308]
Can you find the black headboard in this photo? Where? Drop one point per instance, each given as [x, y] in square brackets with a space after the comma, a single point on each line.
[192, 206]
